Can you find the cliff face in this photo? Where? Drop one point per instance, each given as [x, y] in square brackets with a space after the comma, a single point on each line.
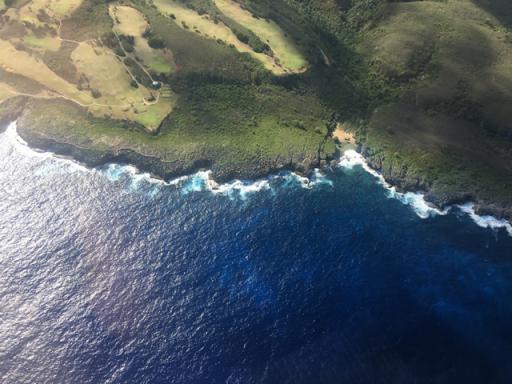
[397, 171]
[65, 130]
[429, 84]
[438, 192]
[301, 163]
[9, 111]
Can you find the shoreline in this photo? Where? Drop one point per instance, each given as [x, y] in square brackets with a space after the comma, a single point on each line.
[416, 199]
[151, 165]
[439, 199]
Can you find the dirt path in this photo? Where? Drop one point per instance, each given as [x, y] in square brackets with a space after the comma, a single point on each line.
[148, 98]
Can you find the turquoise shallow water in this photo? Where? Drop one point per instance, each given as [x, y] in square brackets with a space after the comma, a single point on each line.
[108, 276]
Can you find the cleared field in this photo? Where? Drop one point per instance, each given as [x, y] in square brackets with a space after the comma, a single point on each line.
[106, 74]
[116, 97]
[46, 43]
[203, 24]
[130, 22]
[269, 32]
[86, 73]
[62, 8]
[23, 64]
[52, 8]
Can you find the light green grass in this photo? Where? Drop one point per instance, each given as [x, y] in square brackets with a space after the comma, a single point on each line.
[45, 43]
[269, 32]
[204, 25]
[159, 65]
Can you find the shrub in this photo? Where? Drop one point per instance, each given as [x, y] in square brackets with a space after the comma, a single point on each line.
[95, 93]
[156, 43]
[242, 37]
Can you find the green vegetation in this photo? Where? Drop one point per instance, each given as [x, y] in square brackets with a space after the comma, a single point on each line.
[448, 127]
[89, 21]
[250, 86]
[239, 132]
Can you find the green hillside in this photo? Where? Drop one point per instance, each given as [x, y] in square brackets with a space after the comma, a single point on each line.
[248, 87]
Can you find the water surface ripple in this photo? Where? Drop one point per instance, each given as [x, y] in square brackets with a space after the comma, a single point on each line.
[107, 276]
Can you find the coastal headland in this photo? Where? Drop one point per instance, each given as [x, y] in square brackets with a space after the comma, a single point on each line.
[247, 88]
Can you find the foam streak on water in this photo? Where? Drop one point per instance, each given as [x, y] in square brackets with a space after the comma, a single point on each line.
[109, 275]
[485, 221]
[197, 182]
[416, 200]
[238, 189]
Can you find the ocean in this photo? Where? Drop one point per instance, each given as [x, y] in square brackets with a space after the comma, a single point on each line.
[110, 276]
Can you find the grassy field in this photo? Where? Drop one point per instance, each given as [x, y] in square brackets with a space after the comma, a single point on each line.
[23, 64]
[251, 84]
[43, 44]
[129, 21]
[62, 8]
[269, 32]
[85, 72]
[204, 25]
[29, 11]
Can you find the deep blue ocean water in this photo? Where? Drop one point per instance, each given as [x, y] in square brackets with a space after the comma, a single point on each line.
[107, 276]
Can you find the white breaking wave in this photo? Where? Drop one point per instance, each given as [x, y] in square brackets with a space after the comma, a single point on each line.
[417, 201]
[203, 181]
[197, 182]
[485, 221]
[20, 146]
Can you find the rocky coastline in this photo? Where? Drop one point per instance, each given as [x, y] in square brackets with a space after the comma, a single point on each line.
[303, 165]
[158, 168]
[398, 177]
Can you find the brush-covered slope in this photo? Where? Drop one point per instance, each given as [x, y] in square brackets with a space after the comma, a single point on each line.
[252, 86]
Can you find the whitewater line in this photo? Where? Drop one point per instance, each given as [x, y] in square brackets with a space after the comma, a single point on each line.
[197, 182]
[417, 200]
[203, 181]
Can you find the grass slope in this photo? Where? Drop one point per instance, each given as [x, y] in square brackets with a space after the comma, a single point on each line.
[269, 32]
[244, 132]
[450, 127]
[204, 25]
[426, 85]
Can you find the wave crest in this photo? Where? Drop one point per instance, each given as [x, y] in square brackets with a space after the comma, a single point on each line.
[415, 200]
[203, 181]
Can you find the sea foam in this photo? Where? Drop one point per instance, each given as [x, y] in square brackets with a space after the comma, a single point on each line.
[485, 221]
[19, 145]
[417, 201]
[197, 182]
[238, 189]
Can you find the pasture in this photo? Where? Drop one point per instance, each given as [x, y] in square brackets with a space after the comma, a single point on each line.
[269, 32]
